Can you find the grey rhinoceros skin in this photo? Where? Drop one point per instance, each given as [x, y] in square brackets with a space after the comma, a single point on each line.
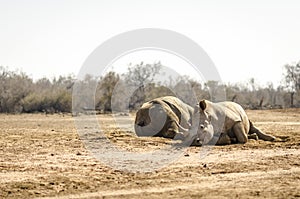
[164, 117]
[225, 123]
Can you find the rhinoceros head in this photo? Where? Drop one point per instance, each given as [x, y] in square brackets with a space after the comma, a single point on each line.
[150, 119]
[206, 130]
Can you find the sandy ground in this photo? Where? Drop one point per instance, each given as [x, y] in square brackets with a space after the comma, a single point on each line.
[42, 157]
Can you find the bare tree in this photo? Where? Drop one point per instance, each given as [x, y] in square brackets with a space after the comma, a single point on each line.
[292, 79]
[216, 90]
[140, 76]
[106, 88]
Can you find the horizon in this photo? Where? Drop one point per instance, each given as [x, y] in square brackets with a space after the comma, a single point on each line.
[158, 78]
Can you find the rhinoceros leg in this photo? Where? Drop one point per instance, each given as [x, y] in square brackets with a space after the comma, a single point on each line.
[240, 132]
[260, 134]
[253, 136]
[224, 139]
[171, 131]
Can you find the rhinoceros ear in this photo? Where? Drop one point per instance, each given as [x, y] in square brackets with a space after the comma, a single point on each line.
[202, 105]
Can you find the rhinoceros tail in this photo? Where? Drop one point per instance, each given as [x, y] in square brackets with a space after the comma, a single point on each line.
[259, 133]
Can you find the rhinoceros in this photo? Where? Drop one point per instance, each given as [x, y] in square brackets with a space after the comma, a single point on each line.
[167, 117]
[225, 123]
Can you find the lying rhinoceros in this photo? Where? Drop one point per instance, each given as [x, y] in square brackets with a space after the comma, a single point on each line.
[167, 117]
[226, 123]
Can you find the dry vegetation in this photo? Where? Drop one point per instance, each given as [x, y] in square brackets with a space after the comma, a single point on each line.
[19, 93]
[42, 156]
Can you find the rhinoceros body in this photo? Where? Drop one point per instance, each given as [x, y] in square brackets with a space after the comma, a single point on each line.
[226, 123]
[165, 117]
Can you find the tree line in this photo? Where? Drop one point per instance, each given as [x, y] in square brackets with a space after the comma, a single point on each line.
[21, 94]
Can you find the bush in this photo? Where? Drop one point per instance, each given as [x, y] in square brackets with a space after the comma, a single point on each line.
[48, 102]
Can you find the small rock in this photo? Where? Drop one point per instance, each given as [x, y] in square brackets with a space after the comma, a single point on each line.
[186, 154]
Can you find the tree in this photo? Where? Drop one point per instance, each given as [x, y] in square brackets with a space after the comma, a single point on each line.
[14, 86]
[216, 90]
[292, 79]
[140, 76]
[106, 89]
[232, 91]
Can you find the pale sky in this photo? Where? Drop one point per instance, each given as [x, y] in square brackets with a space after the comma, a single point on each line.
[244, 39]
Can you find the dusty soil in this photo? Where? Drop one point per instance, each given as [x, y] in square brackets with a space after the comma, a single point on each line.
[42, 157]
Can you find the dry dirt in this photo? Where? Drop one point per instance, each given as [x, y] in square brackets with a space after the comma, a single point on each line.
[41, 156]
